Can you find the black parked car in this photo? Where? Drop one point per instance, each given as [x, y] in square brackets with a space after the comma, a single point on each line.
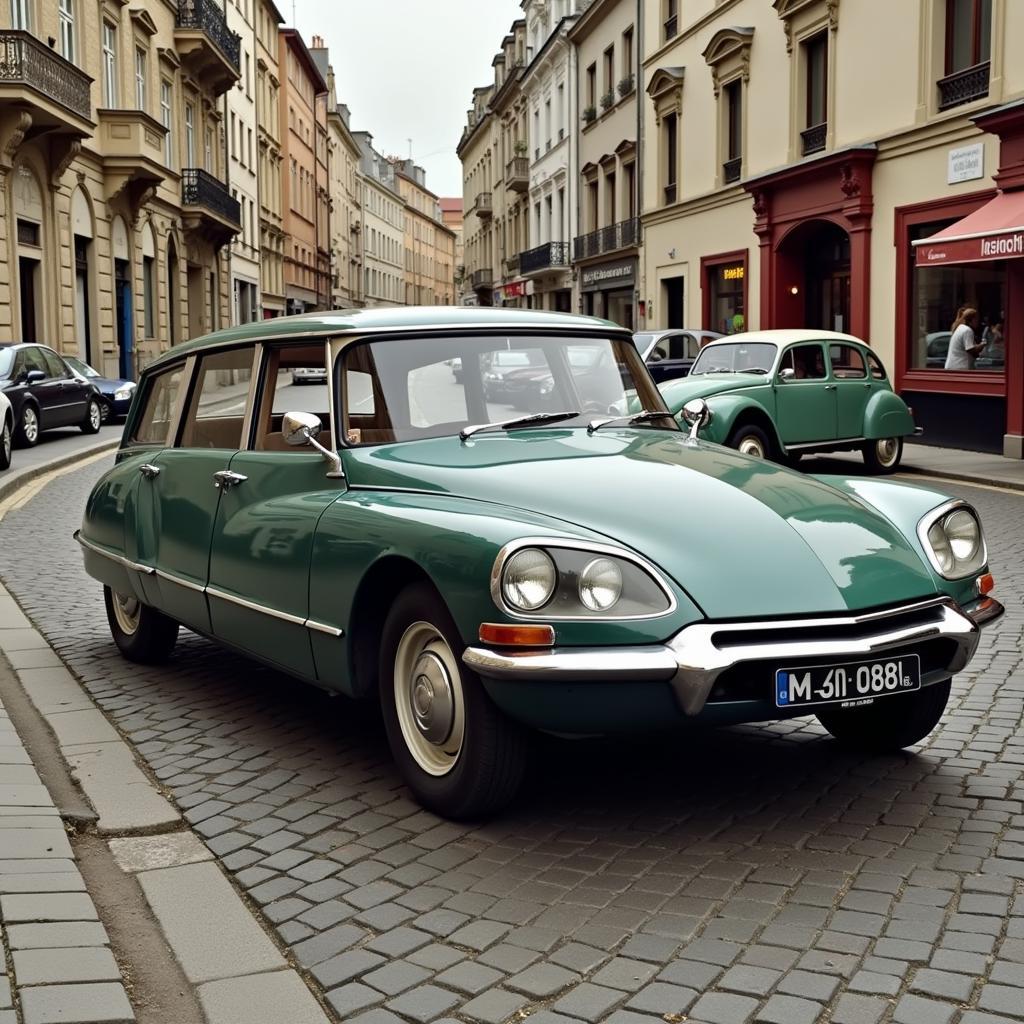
[45, 393]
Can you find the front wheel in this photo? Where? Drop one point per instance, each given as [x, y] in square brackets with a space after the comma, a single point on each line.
[751, 440]
[141, 633]
[27, 434]
[883, 456]
[458, 754]
[891, 723]
[93, 418]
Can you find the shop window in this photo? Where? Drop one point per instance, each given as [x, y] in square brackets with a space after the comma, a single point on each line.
[725, 293]
[939, 293]
[815, 57]
[968, 50]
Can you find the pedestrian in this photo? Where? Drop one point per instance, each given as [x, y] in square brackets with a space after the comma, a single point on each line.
[963, 345]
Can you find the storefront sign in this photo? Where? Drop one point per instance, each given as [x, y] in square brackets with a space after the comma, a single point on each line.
[733, 273]
[1008, 245]
[967, 163]
[514, 290]
[609, 275]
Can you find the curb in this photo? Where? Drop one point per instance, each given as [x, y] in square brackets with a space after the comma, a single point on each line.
[964, 478]
[25, 476]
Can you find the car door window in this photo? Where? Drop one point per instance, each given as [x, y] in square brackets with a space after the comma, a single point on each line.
[294, 380]
[54, 365]
[660, 351]
[877, 369]
[34, 360]
[219, 400]
[847, 362]
[154, 422]
[692, 346]
[806, 361]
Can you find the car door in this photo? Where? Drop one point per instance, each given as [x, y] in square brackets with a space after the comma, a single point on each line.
[46, 391]
[263, 533]
[185, 482]
[70, 393]
[853, 388]
[805, 402]
[663, 358]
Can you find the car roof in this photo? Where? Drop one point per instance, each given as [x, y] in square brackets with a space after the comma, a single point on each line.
[786, 337]
[677, 330]
[397, 318]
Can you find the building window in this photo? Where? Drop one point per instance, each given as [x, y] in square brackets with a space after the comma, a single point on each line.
[21, 15]
[190, 135]
[608, 97]
[140, 78]
[149, 295]
[732, 166]
[109, 65]
[968, 49]
[165, 119]
[815, 131]
[670, 131]
[592, 87]
[671, 19]
[208, 149]
[66, 12]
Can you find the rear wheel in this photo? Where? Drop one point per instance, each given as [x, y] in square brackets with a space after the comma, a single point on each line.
[891, 723]
[459, 755]
[883, 456]
[27, 433]
[141, 633]
[93, 418]
[751, 440]
[6, 443]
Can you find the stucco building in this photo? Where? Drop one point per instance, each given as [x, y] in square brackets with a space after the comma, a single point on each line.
[114, 212]
[799, 154]
[451, 217]
[429, 243]
[383, 228]
[270, 159]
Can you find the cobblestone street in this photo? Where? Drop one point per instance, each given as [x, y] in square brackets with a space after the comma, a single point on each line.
[749, 874]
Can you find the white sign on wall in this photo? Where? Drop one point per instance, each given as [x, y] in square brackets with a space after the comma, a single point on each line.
[966, 163]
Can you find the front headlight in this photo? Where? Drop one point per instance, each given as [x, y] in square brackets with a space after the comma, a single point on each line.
[548, 580]
[528, 580]
[953, 540]
[122, 394]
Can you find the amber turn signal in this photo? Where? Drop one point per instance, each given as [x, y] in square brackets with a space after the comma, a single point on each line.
[504, 635]
[986, 583]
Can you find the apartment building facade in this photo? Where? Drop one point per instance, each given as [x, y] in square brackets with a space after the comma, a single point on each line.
[429, 243]
[270, 158]
[115, 215]
[383, 228]
[799, 156]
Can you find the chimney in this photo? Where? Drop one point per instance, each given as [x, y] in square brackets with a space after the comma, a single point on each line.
[318, 43]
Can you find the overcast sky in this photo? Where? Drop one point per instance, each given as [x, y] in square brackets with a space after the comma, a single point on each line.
[407, 69]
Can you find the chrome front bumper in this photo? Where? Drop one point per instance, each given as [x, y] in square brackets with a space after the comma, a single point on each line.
[699, 654]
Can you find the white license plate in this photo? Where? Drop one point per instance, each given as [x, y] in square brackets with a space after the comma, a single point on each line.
[855, 683]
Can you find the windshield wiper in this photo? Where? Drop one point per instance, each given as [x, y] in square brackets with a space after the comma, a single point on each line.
[640, 417]
[537, 419]
[753, 369]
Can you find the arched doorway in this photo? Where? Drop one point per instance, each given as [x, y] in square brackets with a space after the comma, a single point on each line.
[815, 263]
[82, 233]
[29, 238]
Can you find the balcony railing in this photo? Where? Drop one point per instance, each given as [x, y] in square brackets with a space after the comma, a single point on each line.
[814, 138]
[206, 16]
[543, 257]
[200, 188]
[964, 86]
[732, 169]
[608, 239]
[25, 60]
[517, 173]
[484, 206]
[511, 265]
[482, 278]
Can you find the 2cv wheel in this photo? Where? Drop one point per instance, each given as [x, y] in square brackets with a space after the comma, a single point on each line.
[883, 456]
[456, 751]
[889, 724]
[141, 633]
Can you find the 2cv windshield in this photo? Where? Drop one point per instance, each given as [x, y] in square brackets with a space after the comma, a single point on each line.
[407, 389]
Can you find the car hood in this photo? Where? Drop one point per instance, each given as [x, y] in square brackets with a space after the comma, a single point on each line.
[678, 392]
[742, 537]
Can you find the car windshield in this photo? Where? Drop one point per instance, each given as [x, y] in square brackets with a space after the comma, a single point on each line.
[403, 390]
[735, 357]
[79, 367]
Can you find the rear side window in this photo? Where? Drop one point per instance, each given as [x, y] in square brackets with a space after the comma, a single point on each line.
[34, 360]
[220, 398]
[877, 369]
[54, 364]
[154, 424]
[847, 362]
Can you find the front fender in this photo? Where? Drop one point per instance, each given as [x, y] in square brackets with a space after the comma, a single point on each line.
[887, 415]
[726, 412]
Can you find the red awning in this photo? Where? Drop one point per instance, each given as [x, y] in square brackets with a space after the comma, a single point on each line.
[995, 231]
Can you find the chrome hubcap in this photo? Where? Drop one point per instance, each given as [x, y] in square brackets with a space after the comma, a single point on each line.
[30, 425]
[429, 699]
[127, 611]
[751, 446]
[95, 416]
[887, 450]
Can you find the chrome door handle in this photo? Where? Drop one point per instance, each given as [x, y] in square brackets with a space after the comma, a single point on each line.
[148, 470]
[830, 387]
[225, 479]
[867, 385]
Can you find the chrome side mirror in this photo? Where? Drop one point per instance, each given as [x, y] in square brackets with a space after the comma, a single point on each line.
[698, 414]
[787, 373]
[302, 428]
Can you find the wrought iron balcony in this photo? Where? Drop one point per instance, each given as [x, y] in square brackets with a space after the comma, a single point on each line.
[607, 239]
[814, 138]
[511, 265]
[544, 257]
[517, 174]
[54, 87]
[206, 45]
[732, 170]
[208, 206]
[482, 279]
[964, 86]
[484, 205]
